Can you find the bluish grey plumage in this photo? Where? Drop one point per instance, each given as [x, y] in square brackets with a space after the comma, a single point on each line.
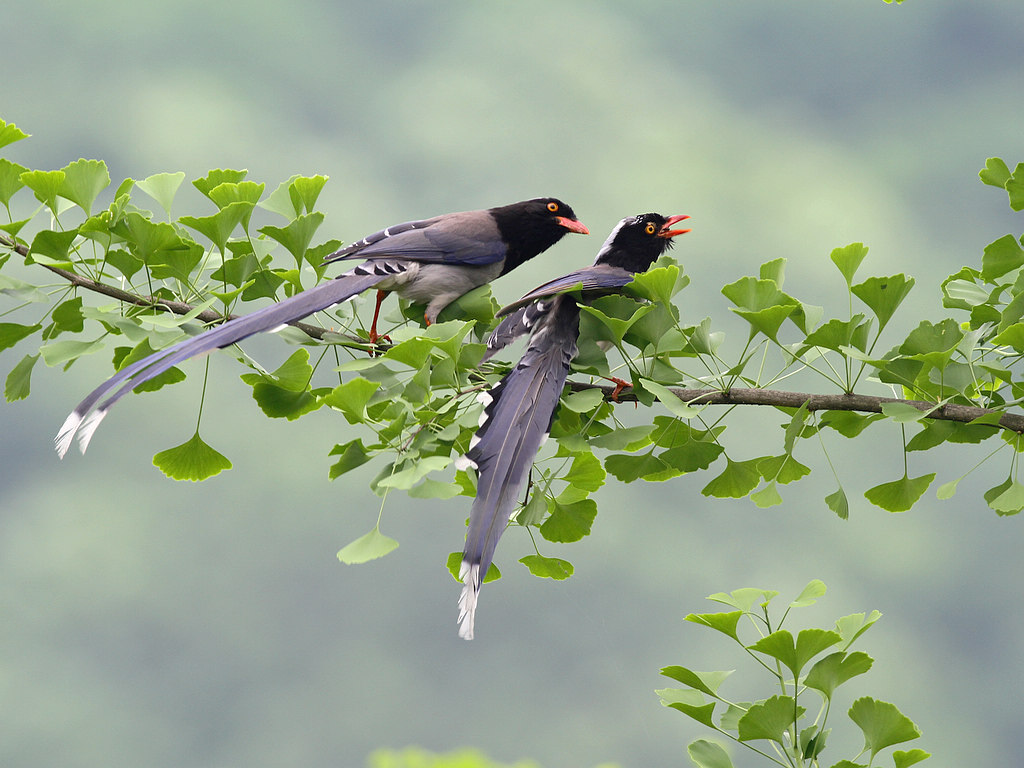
[431, 262]
[517, 420]
[519, 410]
[454, 238]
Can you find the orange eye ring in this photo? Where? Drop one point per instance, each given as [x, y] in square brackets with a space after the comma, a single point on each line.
[650, 228]
[552, 207]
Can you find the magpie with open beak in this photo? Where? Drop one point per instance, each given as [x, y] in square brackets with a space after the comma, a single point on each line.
[432, 261]
[519, 410]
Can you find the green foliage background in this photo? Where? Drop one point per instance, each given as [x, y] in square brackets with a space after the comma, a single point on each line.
[149, 622]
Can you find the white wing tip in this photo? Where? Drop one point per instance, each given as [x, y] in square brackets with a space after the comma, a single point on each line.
[464, 462]
[88, 427]
[67, 433]
[486, 399]
[470, 575]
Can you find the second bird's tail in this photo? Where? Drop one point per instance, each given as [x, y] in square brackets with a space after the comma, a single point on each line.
[517, 418]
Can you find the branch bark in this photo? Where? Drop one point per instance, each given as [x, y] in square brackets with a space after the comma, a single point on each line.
[779, 398]
[840, 402]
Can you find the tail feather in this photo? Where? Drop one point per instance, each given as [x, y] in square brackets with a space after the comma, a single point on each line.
[470, 575]
[67, 432]
[83, 421]
[89, 426]
[516, 422]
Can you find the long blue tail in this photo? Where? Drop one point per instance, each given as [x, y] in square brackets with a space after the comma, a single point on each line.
[517, 418]
[84, 420]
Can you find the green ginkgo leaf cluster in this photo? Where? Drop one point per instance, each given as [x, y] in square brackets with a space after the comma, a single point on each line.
[791, 725]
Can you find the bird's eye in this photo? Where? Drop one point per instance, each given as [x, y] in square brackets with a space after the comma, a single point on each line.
[552, 207]
[650, 228]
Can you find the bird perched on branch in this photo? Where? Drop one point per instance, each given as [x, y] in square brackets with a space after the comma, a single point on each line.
[432, 261]
[519, 410]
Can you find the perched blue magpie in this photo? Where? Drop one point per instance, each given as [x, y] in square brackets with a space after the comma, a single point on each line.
[519, 410]
[432, 262]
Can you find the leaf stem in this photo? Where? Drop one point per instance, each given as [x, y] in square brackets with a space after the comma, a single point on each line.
[202, 396]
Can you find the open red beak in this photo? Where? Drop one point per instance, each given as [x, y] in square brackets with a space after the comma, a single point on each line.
[666, 229]
[572, 225]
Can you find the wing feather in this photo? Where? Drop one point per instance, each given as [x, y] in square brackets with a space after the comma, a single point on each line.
[470, 238]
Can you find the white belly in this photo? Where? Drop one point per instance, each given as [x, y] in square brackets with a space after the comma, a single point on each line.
[438, 285]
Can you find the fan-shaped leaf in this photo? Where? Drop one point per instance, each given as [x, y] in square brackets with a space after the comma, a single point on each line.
[162, 187]
[192, 460]
[769, 719]
[369, 546]
[833, 670]
[899, 495]
[548, 567]
[708, 754]
[882, 723]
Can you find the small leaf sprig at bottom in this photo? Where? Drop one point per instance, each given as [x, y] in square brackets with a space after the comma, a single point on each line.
[779, 727]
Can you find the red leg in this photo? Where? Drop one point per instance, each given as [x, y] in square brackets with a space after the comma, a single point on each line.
[374, 336]
[620, 385]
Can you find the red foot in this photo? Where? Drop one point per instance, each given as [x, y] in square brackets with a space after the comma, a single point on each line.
[620, 385]
[373, 336]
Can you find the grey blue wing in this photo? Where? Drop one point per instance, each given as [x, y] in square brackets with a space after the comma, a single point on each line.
[517, 418]
[84, 420]
[592, 278]
[470, 238]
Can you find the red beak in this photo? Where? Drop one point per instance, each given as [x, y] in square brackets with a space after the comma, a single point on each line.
[572, 225]
[666, 230]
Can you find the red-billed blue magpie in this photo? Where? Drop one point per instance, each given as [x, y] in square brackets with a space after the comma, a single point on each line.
[519, 410]
[432, 262]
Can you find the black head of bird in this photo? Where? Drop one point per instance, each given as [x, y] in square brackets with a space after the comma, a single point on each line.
[638, 241]
[532, 226]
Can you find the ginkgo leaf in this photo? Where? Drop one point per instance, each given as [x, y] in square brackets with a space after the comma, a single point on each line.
[369, 546]
[192, 460]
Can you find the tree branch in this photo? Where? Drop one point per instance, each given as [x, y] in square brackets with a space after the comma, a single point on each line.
[840, 402]
[175, 307]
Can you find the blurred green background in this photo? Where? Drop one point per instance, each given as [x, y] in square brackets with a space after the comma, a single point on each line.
[152, 623]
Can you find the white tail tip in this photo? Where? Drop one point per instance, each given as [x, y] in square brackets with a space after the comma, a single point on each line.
[67, 433]
[88, 427]
[470, 575]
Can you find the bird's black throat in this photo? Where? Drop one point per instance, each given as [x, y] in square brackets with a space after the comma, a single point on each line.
[528, 229]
